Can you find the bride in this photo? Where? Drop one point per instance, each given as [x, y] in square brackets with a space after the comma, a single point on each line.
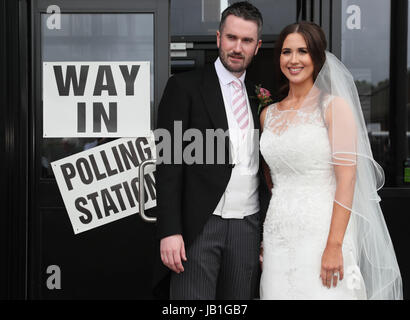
[324, 233]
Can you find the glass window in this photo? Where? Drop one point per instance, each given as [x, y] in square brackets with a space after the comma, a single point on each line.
[94, 37]
[201, 17]
[366, 53]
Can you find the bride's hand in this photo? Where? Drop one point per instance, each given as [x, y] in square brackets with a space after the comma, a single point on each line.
[332, 265]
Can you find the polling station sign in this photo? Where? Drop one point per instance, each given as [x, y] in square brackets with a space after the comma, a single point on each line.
[96, 99]
[101, 185]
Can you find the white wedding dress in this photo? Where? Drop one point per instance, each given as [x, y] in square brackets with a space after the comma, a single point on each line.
[295, 146]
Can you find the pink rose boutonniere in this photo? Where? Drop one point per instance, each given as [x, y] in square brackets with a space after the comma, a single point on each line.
[264, 97]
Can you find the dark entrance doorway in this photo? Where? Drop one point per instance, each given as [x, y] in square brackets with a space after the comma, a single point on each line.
[113, 261]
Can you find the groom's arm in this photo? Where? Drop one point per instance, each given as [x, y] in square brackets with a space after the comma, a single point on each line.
[174, 106]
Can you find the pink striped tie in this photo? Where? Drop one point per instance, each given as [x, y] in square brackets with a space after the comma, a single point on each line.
[239, 106]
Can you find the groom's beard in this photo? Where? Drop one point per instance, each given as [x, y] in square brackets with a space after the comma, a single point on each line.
[224, 57]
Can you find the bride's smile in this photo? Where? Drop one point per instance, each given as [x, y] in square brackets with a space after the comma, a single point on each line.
[295, 71]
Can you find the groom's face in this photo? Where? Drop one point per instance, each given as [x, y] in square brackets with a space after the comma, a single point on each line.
[238, 43]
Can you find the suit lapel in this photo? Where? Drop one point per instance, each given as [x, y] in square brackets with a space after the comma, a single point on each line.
[253, 101]
[212, 96]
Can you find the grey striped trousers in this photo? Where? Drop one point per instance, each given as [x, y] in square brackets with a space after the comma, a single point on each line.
[222, 262]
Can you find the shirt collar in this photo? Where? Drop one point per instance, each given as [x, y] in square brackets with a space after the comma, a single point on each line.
[224, 75]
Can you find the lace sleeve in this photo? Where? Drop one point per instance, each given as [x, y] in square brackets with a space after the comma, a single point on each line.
[267, 117]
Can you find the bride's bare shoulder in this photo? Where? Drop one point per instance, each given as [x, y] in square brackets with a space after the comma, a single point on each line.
[336, 103]
[337, 107]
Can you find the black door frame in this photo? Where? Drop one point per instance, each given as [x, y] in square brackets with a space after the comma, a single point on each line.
[160, 9]
[14, 141]
[20, 45]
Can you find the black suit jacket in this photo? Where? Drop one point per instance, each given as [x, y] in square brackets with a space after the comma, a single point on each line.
[188, 194]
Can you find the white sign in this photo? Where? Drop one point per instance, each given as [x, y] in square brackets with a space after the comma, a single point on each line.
[101, 185]
[96, 99]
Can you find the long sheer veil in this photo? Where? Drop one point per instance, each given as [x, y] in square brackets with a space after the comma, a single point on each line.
[351, 147]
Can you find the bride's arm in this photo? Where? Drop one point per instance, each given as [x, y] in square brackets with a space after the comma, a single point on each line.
[344, 164]
[332, 258]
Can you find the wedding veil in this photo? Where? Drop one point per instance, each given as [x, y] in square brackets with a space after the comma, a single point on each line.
[335, 91]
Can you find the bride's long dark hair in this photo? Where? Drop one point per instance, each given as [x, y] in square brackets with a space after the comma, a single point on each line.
[316, 43]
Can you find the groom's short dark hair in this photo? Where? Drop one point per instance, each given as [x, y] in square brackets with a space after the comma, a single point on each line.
[244, 10]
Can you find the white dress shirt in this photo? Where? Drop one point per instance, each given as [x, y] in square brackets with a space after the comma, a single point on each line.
[241, 195]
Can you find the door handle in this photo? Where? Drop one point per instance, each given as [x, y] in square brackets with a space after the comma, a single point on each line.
[142, 191]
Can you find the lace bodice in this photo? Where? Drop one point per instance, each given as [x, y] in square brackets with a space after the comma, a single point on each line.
[296, 147]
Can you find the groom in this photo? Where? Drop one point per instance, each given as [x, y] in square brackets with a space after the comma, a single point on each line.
[208, 215]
